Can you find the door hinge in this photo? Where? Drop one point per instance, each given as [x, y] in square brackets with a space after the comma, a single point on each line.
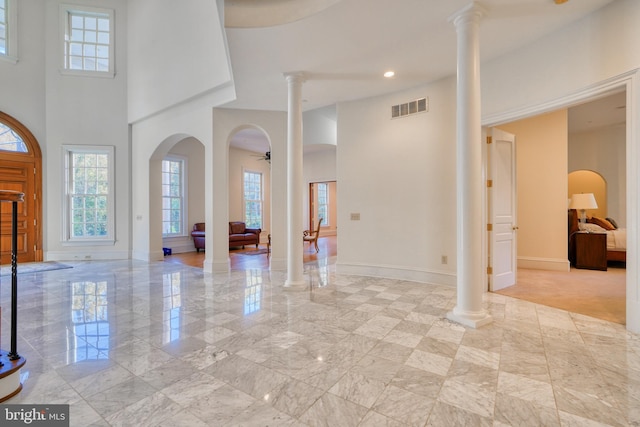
[489, 270]
[34, 196]
[489, 183]
[35, 248]
[34, 222]
[489, 140]
[489, 227]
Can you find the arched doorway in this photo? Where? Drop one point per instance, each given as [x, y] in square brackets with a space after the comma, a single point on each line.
[176, 176]
[250, 178]
[21, 170]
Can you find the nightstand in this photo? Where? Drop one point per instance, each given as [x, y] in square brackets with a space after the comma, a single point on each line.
[591, 250]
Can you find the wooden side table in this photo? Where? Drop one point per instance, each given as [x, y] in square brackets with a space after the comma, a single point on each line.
[591, 251]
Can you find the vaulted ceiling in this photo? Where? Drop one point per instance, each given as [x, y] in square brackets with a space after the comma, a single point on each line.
[345, 46]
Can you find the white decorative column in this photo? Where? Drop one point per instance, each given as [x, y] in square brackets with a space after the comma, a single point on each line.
[295, 278]
[471, 277]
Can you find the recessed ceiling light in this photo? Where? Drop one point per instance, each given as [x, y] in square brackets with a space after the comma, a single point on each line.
[389, 74]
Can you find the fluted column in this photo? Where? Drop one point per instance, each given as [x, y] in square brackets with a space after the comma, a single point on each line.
[295, 278]
[471, 277]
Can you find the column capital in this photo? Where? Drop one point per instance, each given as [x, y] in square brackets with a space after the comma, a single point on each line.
[471, 13]
[295, 76]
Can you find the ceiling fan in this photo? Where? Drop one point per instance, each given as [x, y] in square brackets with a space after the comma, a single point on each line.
[266, 156]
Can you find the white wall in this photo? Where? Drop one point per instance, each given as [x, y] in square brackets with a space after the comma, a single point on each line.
[319, 165]
[320, 126]
[593, 49]
[85, 111]
[593, 56]
[604, 151]
[175, 54]
[399, 176]
[22, 85]
[60, 109]
[541, 151]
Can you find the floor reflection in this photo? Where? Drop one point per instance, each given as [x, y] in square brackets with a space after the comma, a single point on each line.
[172, 304]
[318, 272]
[90, 320]
[252, 291]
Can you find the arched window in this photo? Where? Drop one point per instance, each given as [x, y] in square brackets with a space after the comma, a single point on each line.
[11, 141]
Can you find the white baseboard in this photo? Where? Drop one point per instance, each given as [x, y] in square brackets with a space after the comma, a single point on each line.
[216, 265]
[398, 273]
[86, 256]
[551, 264]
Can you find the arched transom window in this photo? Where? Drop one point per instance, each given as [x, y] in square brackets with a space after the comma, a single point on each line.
[11, 141]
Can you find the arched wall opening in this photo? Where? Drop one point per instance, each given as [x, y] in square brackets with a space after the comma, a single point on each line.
[189, 152]
[586, 181]
[250, 178]
[226, 124]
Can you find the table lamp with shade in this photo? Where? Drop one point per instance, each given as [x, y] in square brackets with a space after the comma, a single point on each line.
[582, 202]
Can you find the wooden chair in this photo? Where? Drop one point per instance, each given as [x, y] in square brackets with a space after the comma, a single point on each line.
[312, 236]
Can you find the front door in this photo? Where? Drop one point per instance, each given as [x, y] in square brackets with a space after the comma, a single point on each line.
[20, 170]
[501, 195]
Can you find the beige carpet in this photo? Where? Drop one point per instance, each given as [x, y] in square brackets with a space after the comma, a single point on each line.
[600, 294]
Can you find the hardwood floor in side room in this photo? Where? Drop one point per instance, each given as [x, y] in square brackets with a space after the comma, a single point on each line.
[599, 294]
[245, 258]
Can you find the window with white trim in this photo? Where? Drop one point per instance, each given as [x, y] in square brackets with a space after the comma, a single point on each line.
[89, 207]
[88, 40]
[323, 202]
[173, 196]
[253, 199]
[9, 30]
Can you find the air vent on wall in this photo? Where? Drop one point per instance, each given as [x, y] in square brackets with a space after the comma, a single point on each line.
[412, 107]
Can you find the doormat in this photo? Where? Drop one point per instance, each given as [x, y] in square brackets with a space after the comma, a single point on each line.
[33, 267]
[256, 252]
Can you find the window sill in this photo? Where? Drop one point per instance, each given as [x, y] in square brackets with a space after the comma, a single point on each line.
[83, 73]
[110, 242]
[9, 59]
[175, 237]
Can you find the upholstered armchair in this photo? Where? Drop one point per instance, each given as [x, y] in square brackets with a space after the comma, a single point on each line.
[198, 235]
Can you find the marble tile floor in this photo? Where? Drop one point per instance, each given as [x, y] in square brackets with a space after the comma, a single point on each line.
[129, 343]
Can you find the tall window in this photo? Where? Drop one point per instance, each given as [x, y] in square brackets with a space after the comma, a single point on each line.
[323, 202]
[253, 199]
[90, 196]
[88, 39]
[173, 191]
[8, 30]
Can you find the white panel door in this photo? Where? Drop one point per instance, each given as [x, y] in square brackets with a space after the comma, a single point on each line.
[502, 210]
